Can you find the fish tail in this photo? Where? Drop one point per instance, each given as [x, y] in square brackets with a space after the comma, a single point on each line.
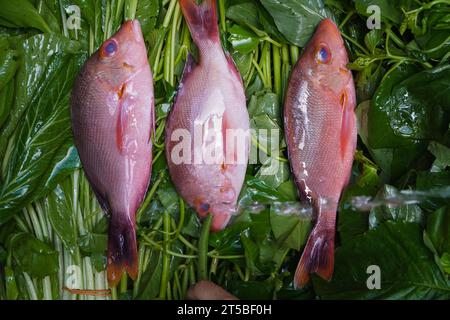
[122, 249]
[317, 257]
[201, 19]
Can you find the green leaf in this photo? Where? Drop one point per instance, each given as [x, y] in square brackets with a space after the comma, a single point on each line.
[273, 172]
[257, 191]
[251, 251]
[12, 292]
[33, 256]
[251, 14]
[245, 13]
[445, 262]
[58, 206]
[42, 152]
[404, 117]
[147, 13]
[442, 154]
[6, 101]
[243, 62]
[407, 213]
[151, 278]
[389, 11]
[242, 40]
[290, 230]
[168, 197]
[21, 14]
[8, 66]
[93, 243]
[352, 222]
[265, 104]
[438, 230]
[373, 39]
[403, 109]
[408, 270]
[296, 19]
[427, 181]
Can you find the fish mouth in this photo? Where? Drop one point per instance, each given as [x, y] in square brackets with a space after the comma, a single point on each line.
[329, 26]
[134, 27]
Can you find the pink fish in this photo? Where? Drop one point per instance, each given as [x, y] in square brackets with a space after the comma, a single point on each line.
[113, 119]
[210, 107]
[320, 128]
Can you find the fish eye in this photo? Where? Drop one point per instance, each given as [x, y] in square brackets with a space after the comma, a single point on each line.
[323, 55]
[109, 48]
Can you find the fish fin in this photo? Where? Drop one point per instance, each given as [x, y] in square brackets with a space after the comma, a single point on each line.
[317, 257]
[201, 19]
[121, 119]
[122, 249]
[232, 66]
[347, 124]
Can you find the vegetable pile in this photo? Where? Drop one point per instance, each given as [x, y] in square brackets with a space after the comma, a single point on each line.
[53, 233]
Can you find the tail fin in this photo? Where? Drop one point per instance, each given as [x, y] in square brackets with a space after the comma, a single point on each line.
[201, 19]
[122, 249]
[317, 257]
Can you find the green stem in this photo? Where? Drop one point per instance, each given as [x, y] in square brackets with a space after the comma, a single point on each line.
[149, 198]
[294, 51]
[356, 44]
[277, 70]
[123, 284]
[164, 289]
[347, 18]
[222, 12]
[203, 249]
[114, 293]
[131, 9]
[169, 13]
[63, 19]
[184, 283]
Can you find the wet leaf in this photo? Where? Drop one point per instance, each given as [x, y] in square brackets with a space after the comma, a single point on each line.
[408, 270]
[33, 256]
[42, 153]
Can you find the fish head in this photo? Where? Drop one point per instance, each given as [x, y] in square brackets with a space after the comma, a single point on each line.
[121, 56]
[220, 202]
[326, 58]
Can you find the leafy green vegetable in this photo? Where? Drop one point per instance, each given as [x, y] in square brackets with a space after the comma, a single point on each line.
[42, 152]
[297, 20]
[438, 230]
[410, 111]
[393, 246]
[21, 14]
[291, 230]
[389, 11]
[242, 40]
[401, 76]
[406, 213]
[33, 256]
